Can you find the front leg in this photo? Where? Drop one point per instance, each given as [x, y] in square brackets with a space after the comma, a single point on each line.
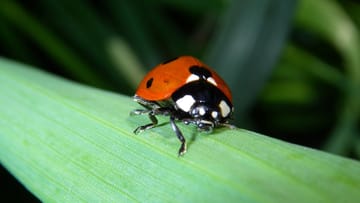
[179, 135]
[153, 123]
[151, 113]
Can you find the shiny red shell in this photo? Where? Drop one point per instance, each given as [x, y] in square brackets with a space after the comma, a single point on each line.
[166, 78]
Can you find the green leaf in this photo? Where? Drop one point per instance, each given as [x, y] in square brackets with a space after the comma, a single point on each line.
[69, 142]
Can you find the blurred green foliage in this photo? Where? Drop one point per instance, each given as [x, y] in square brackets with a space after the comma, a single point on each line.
[293, 66]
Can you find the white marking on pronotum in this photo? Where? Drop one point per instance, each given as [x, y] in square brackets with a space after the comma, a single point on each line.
[224, 108]
[211, 80]
[185, 103]
[191, 78]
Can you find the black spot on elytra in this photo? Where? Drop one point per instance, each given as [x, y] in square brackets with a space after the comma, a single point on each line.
[149, 82]
[170, 60]
[200, 71]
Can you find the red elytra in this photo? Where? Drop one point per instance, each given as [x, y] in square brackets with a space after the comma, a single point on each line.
[169, 76]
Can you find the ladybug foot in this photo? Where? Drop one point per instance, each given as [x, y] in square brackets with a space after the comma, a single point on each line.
[182, 149]
[153, 119]
[139, 112]
[227, 125]
[143, 128]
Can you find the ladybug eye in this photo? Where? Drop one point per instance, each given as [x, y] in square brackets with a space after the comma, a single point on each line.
[149, 82]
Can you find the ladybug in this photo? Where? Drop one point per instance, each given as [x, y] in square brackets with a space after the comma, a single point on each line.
[187, 90]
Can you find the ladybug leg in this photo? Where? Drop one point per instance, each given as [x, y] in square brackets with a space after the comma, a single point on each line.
[151, 113]
[145, 103]
[227, 125]
[204, 125]
[179, 135]
[140, 112]
[152, 117]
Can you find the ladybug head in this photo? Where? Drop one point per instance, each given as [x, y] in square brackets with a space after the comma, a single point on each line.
[206, 116]
[203, 104]
[206, 109]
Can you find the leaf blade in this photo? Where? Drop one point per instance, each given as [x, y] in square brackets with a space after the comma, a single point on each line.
[68, 142]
